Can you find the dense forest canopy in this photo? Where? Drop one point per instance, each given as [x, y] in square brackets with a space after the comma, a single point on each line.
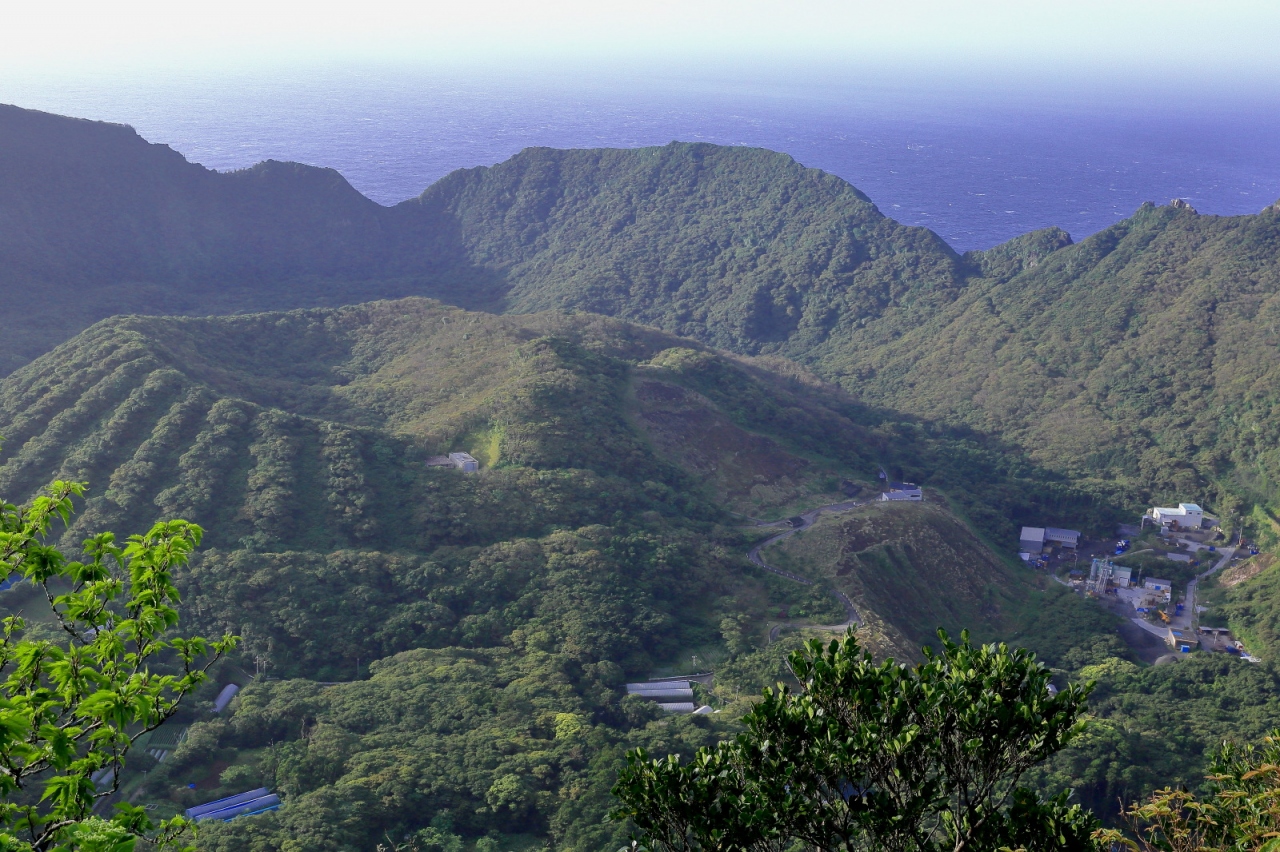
[779, 254]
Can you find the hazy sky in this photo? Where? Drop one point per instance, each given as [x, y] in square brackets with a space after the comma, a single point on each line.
[1183, 38]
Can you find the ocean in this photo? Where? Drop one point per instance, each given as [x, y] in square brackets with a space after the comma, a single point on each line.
[977, 165]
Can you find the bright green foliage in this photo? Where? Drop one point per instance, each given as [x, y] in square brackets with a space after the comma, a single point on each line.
[1239, 811]
[588, 542]
[1036, 382]
[874, 756]
[70, 709]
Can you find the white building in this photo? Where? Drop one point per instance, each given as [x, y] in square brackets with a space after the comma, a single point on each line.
[902, 491]
[1188, 516]
[1157, 585]
[464, 461]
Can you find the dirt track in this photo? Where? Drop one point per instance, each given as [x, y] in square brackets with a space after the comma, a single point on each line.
[807, 520]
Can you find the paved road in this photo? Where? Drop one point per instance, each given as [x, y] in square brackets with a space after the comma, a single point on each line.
[807, 520]
[1187, 621]
[1189, 617]
[1162, 632]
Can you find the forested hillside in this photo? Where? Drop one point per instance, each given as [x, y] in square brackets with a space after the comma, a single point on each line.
[592, 545]
[1134, 363]
[445, 651]
[738, 247]
[1140, 362]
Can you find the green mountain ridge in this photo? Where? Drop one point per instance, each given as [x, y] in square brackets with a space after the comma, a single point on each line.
[1085, 356]
[742, 248]
[1140, 360]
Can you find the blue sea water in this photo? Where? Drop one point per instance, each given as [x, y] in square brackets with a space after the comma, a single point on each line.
[976, 165]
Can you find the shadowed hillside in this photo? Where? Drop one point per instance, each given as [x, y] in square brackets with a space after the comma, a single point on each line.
[741, 248]
[911, 568]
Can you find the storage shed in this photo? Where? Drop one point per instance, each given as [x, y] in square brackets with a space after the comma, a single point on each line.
[464, 462]
[673, 696]
[1031, 540]
[1066, 538]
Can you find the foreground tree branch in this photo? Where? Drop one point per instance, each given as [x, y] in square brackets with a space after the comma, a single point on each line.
[874, 756]
[69, 710]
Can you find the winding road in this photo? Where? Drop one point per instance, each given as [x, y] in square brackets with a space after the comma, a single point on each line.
[1189, 616]
[807, 520]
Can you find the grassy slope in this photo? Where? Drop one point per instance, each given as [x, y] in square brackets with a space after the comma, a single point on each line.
[911, 568]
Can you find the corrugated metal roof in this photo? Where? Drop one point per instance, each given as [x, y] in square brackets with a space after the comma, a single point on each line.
[224, 697]
[664, 694]
[658, 686]
[229, 801]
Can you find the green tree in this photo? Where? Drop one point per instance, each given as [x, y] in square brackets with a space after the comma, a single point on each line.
[70, 710]
[1239, 811]
[874, 756]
